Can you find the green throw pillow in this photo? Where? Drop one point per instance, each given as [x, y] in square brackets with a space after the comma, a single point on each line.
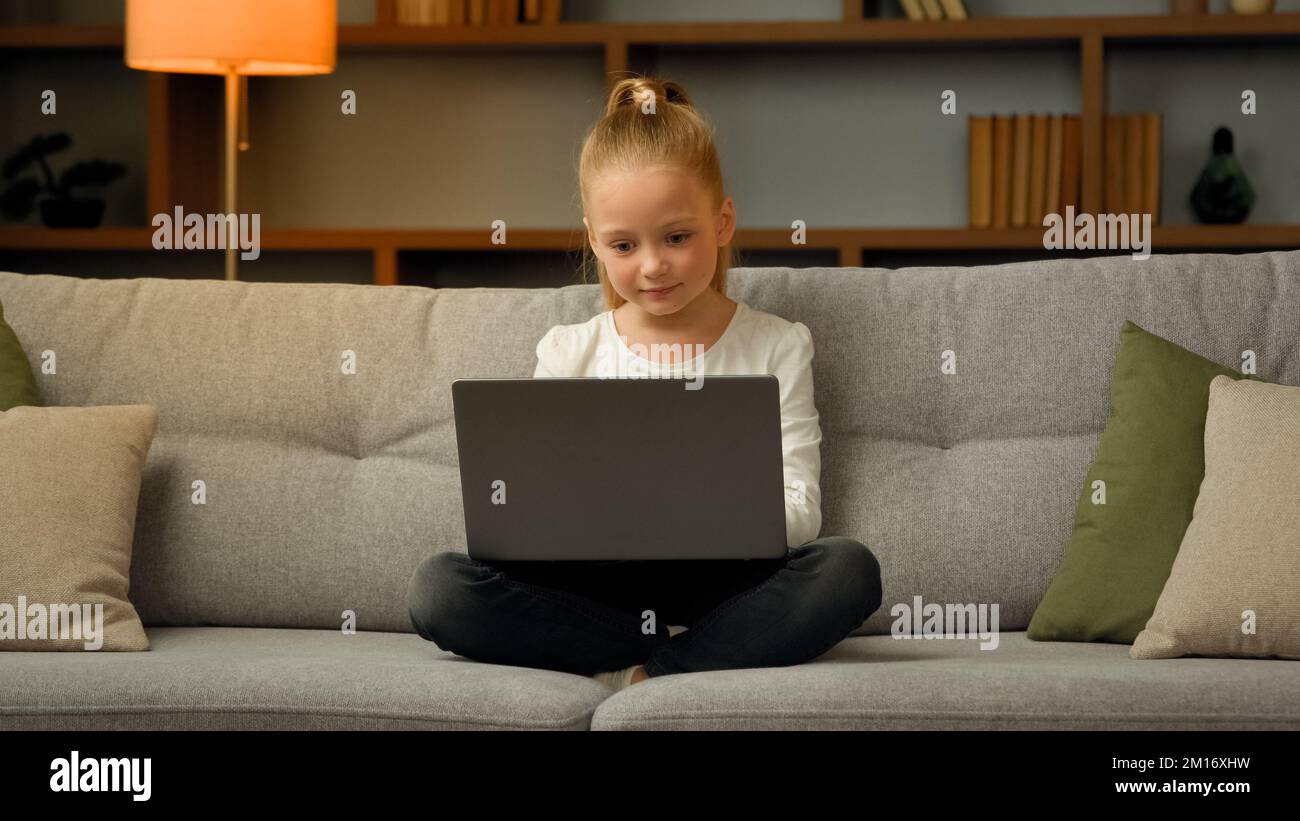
[1151, 457]
[17, 387]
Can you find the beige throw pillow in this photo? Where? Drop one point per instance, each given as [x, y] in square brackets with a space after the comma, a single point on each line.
[69, 486]
[1234, 589]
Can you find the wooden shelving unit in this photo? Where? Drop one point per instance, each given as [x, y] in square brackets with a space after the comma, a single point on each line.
[185, 110]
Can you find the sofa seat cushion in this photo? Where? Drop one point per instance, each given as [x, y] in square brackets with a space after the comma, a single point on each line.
[283, 679]
[883, 683]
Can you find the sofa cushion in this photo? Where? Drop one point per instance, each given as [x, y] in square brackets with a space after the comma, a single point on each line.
[17, 386]
[1234, 589]
[257, 678]
[883, 683]
[69, 488]
[1150, 460]
[281, 679]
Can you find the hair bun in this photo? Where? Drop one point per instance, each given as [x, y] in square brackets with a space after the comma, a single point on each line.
[632, 92]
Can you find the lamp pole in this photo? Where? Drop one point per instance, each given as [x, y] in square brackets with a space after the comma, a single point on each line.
[232, 132]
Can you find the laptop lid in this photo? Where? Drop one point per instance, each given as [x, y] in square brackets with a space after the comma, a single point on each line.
[588, 468]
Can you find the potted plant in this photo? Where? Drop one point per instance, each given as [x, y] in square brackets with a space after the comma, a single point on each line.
[59, 208]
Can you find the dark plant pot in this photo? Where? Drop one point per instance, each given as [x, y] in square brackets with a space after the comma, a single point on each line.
[59, 213]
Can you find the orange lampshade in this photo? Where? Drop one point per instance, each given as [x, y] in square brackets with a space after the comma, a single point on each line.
[246, 36]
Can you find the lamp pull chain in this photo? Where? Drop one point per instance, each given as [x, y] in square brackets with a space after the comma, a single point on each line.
[233, 106]
[243, 112]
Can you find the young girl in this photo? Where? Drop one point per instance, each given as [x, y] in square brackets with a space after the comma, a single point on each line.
[660, 227]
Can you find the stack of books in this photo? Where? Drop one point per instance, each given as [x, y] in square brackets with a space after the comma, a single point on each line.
[476, 12]
[934, 9]
[1132, 163]
[1025, 166]
[1022, 167]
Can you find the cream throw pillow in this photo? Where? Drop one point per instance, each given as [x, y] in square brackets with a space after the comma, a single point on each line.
[1234, 589]
[69, 486]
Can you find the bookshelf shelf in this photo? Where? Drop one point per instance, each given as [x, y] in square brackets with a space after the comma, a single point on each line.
[183, 110]
[1280, 26]
[849, 243]
[63, 36]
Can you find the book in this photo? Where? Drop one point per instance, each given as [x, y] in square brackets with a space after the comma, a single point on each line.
[1151, 179]
[1113, 162]
[1037, 169]
[1020, 148]
[551, 11]
[912, 8]
[1003, 127]
[1071, 161]
[1055, 156]
[477, 12]
[1134, 162]
[979, 176]
[955, 9]
[932, 10]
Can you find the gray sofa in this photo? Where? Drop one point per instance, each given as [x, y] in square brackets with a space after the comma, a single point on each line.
[325, 490]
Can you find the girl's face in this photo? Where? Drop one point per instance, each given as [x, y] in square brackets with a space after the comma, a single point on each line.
[653, 230]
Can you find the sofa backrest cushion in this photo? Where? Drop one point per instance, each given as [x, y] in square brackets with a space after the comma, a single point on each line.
[323, 489]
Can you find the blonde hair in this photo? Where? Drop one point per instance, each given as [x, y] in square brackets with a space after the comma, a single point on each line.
[626, 140]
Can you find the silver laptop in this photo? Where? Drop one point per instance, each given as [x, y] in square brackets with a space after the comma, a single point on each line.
[588, 468]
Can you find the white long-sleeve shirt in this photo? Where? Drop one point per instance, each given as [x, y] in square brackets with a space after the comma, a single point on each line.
[756, 342]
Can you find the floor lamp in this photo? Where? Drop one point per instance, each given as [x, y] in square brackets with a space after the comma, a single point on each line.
[234, 38]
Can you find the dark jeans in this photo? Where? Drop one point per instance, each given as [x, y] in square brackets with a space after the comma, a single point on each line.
[586, 617]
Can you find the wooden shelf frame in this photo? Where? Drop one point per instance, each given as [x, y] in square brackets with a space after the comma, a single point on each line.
[1277, 25]
[186, 109]
[848, 243]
